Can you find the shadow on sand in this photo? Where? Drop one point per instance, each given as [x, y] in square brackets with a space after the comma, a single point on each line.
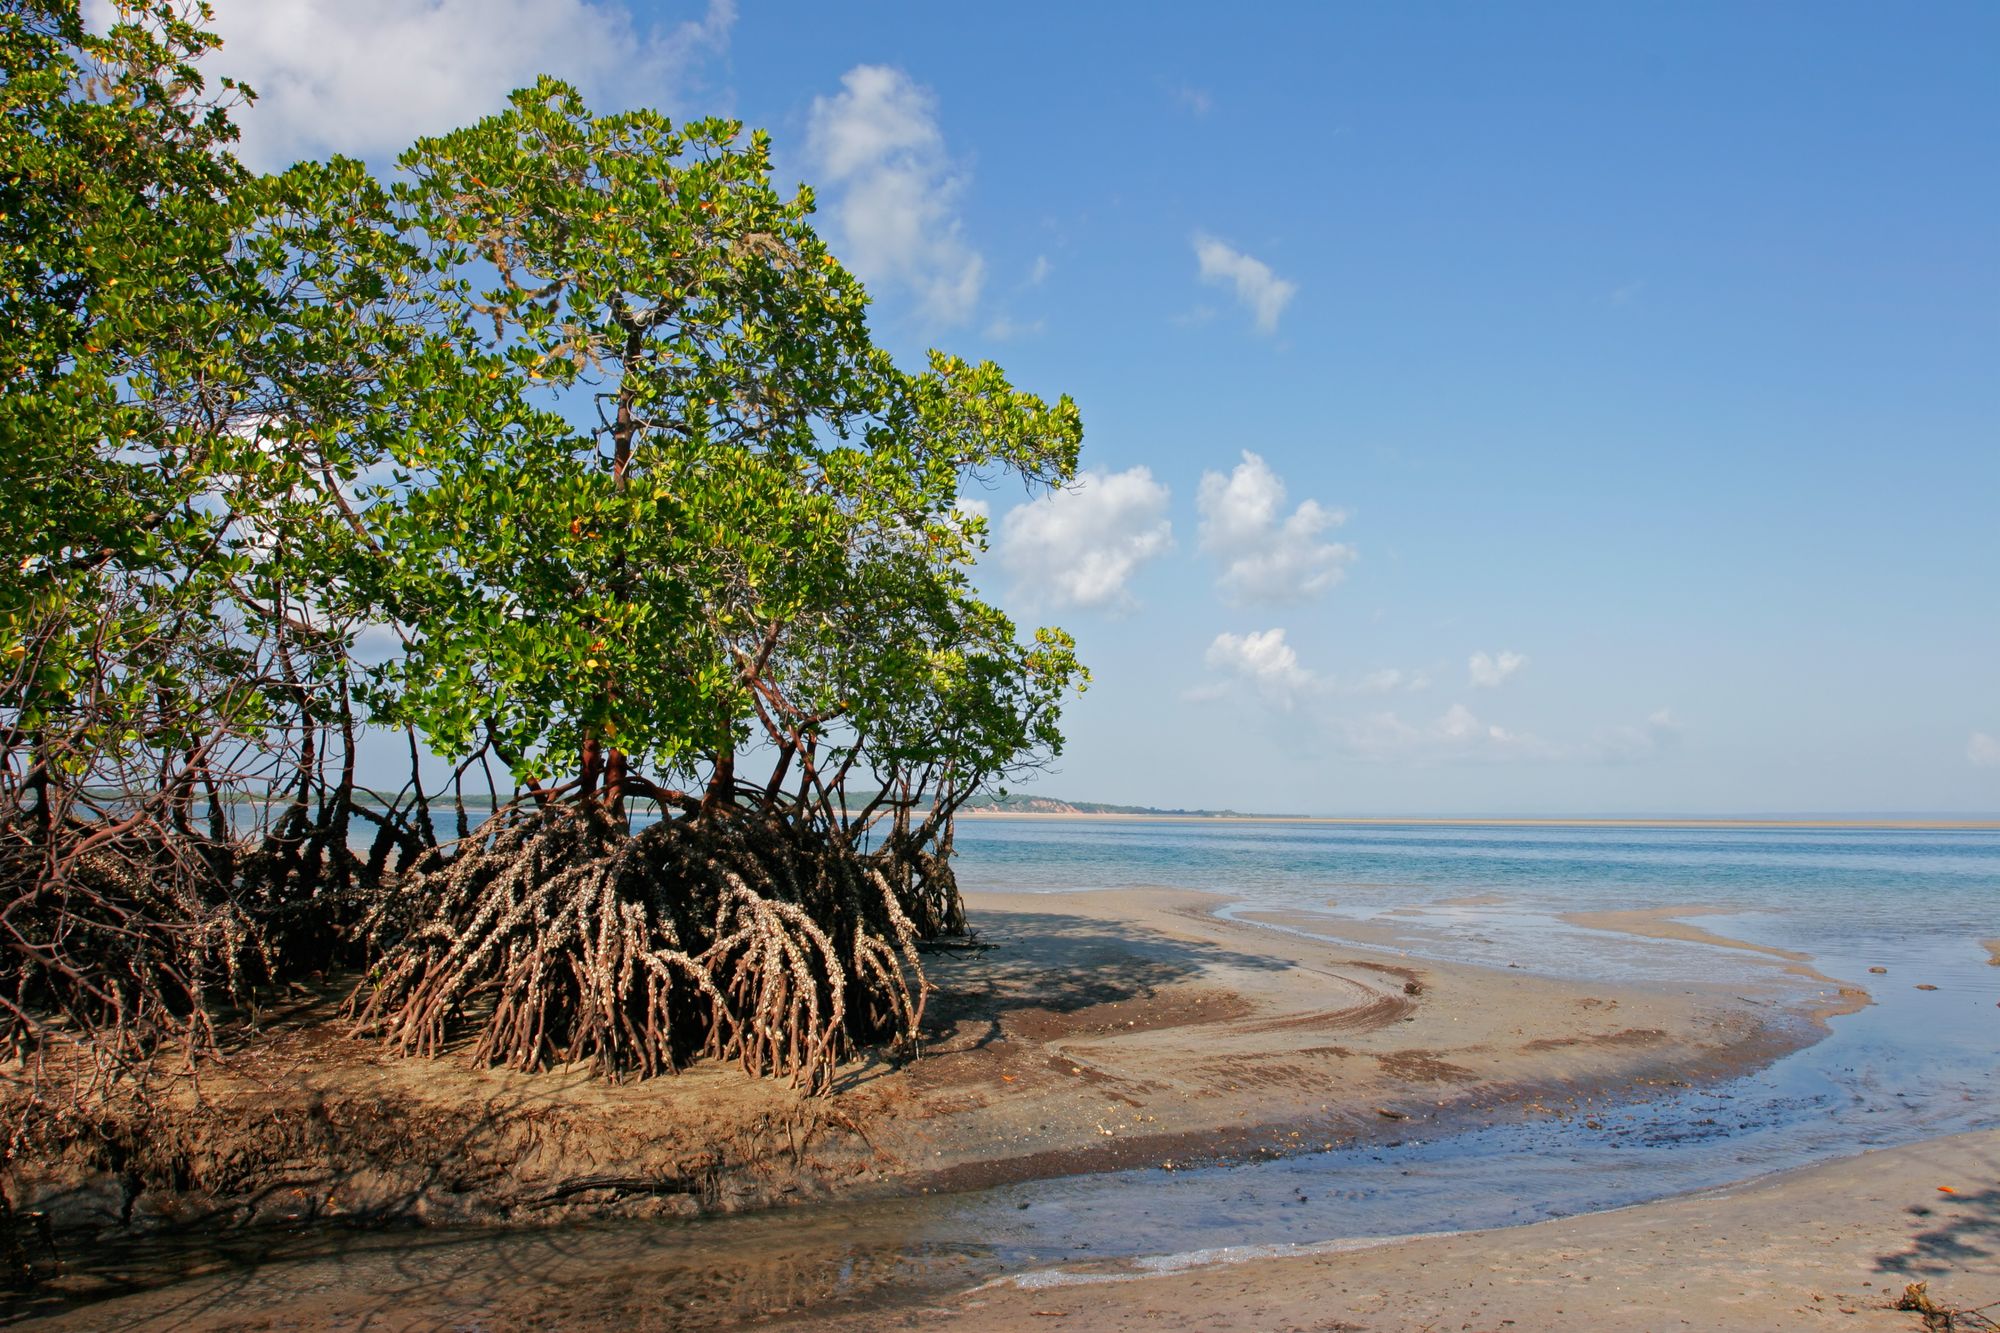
[1061, 964]
[1954, 1244]
[386, 1273]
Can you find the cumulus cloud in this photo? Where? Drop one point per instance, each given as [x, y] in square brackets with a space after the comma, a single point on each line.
[1267, 555]
[1459, 726]
[1081, 545]
[1267, 664]
[376, 643]
[1488, 670]
[1266, 661]
[366, 77]
[1263, 293]
[895, 213]
[1265, 668]
[1983, 750]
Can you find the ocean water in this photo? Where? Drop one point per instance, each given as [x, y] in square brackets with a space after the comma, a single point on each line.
[1912, 1064]
[1496, 893]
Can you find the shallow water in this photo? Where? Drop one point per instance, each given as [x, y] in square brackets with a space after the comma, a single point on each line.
[1913, 1065]
[1854, 892]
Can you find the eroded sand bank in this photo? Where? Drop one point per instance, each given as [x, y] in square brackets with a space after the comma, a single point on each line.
[1101, 1030]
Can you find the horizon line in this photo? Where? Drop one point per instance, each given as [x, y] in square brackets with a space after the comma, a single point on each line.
[1912, 822]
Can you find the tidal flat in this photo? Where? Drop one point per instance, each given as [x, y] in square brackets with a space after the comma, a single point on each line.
[1225, 1093]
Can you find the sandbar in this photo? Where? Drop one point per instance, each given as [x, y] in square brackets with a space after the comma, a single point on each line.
[1666, 923]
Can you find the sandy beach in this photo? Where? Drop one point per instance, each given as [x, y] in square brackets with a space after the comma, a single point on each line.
[1829, 1247]
[1090, 1032]
[1096, 1031]
[1135, 1028]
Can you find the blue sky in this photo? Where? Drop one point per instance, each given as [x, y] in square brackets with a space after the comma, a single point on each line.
[1598, 403]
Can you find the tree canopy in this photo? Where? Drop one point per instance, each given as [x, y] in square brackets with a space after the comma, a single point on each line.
[697, 502]
[580, 411]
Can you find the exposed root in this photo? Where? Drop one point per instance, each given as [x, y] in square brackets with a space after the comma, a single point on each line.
[122, 948]
[128, 932]
[559, 939]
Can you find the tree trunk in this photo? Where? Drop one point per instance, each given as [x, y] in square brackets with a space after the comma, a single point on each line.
[721, 791]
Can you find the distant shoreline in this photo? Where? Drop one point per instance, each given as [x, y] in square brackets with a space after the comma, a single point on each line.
[1436, 821]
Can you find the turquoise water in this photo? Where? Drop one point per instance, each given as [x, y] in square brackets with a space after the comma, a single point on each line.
[1913, 1064]
[1836, 894]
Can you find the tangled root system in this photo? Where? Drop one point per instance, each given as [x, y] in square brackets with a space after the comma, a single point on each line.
[124, 944]
[558, 938]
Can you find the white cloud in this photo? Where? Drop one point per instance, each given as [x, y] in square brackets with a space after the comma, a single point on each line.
[1263, 293]
[974, 519]
[1983, 750]
[1197, 100]
[1265, 660]
[1455, 735]
[896, 215]
[1081, 545]
[1267, 555]
[1488, 670]
[367, 77]
[1308, 705]
[1039, 273]
[1629, 744]
[1459, 735]
[1458, 724]
[1006, 329]
[1390, 680]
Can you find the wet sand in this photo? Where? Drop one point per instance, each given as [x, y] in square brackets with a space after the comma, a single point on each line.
[1135, 1028]
[1665, 923]
[1100, 1031]
[1828, 1247]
